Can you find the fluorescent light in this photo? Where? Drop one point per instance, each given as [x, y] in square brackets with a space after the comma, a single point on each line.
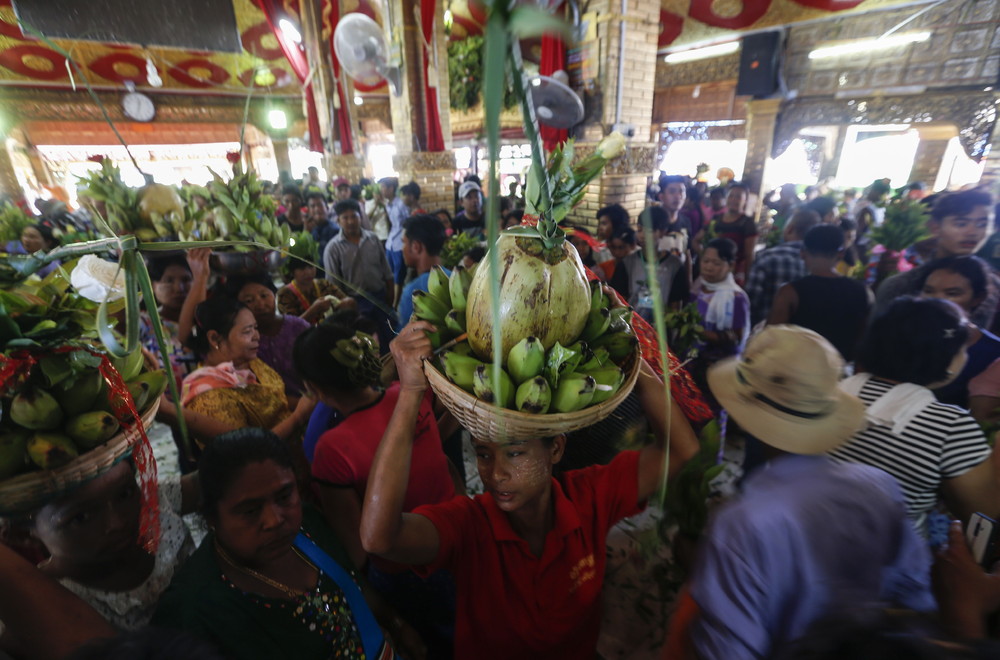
[290, 30]
[869, 45]
[358, 99]
[277, 119]
[702, 53]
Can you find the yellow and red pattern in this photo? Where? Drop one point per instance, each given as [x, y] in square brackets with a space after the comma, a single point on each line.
[26, 61]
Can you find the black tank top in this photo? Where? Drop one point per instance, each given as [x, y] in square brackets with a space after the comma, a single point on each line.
[835, 307]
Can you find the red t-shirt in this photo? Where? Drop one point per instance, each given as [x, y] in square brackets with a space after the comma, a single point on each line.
[344, 454]
[512, 604]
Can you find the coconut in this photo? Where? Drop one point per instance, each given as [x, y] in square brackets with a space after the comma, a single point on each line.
[161, 200]
[544, 293]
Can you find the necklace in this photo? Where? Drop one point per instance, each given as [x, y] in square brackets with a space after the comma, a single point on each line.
[291, 593]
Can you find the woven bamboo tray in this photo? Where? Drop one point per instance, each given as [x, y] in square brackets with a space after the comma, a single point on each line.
[26, 492]
[488, 422]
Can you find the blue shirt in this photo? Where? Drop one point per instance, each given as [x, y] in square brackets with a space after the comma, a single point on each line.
[418, 283]
[807, 539]
[323, 233]
[322, 419]
[398, 213]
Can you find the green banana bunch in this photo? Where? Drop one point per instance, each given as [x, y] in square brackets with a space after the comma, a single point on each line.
[575, 391]
[13, 452]
[428, 308]
[525, 360]
[463, 348]
[155, 380]
[80, 395]
[438, 285]
[455, 321]
[458, 287]
[460, 369]
[482, 387]
[595, 359]
[36, 409]
[621, 319]
[597, 323]
[50, 450]
[598, 299]
[618, 344]
[91, 429]
[533, 396]
[562, 359]
[609, 380]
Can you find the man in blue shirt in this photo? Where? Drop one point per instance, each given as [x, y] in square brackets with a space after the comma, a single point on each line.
[423, 239]
[778, 265]
[808, 538]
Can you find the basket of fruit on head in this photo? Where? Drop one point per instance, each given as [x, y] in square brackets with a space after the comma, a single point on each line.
[58, 428]
[569, 353]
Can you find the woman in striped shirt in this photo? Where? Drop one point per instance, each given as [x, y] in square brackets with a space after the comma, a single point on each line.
[929, 447]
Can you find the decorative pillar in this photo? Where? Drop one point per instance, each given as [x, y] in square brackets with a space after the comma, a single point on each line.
[927, 161]
[433, 171]
[624, 179]
[762, 117]
[8, 179]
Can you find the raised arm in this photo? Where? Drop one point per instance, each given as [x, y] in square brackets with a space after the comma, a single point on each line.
[197, 259]
[43, 619]
[385, 530]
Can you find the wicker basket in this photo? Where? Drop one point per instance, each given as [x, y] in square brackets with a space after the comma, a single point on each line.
[26, 492]
[486, 421]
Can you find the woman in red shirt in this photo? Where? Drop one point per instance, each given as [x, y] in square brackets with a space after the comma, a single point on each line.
[342, 367]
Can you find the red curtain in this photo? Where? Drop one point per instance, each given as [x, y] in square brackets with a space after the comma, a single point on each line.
[331, 14]
[435, 139]
[553, 59]
[274, 11]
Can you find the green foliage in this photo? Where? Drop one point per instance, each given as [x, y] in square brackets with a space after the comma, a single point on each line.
[685, 331]
[905, 224]
[686, 503]
[455, 247]
[12, 222]
[465, 75]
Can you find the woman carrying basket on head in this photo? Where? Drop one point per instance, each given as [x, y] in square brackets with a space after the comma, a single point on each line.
[528, 555]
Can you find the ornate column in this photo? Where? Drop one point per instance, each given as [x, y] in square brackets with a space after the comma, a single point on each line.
[432, 170]
[762, 116]
[8, 179]
[624, 179]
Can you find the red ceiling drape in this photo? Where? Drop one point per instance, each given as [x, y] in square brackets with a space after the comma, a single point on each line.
[331, 14]
[435, 138]
[274, 11]
[553, 59]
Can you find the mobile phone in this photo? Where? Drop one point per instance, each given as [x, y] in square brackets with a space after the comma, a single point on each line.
[981, 533]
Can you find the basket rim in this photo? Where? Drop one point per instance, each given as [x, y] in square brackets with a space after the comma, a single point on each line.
[522, 424]
[29, 490]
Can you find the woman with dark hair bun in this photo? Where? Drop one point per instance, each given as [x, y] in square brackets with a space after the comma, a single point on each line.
[234, 388]
[342, 367]
[918, 345]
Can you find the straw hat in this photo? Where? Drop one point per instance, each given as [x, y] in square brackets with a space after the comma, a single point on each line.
[783, 390]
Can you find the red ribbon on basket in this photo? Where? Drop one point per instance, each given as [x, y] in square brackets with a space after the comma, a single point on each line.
[685, 392]
[15, 369]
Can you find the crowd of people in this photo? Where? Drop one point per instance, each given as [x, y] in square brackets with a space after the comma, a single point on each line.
[335, 496]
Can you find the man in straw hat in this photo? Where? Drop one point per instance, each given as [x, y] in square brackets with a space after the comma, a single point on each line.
[808, 537]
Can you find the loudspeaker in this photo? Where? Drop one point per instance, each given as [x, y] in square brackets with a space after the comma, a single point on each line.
[759, 63]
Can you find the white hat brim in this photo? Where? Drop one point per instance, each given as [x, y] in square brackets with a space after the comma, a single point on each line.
[787, 432]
